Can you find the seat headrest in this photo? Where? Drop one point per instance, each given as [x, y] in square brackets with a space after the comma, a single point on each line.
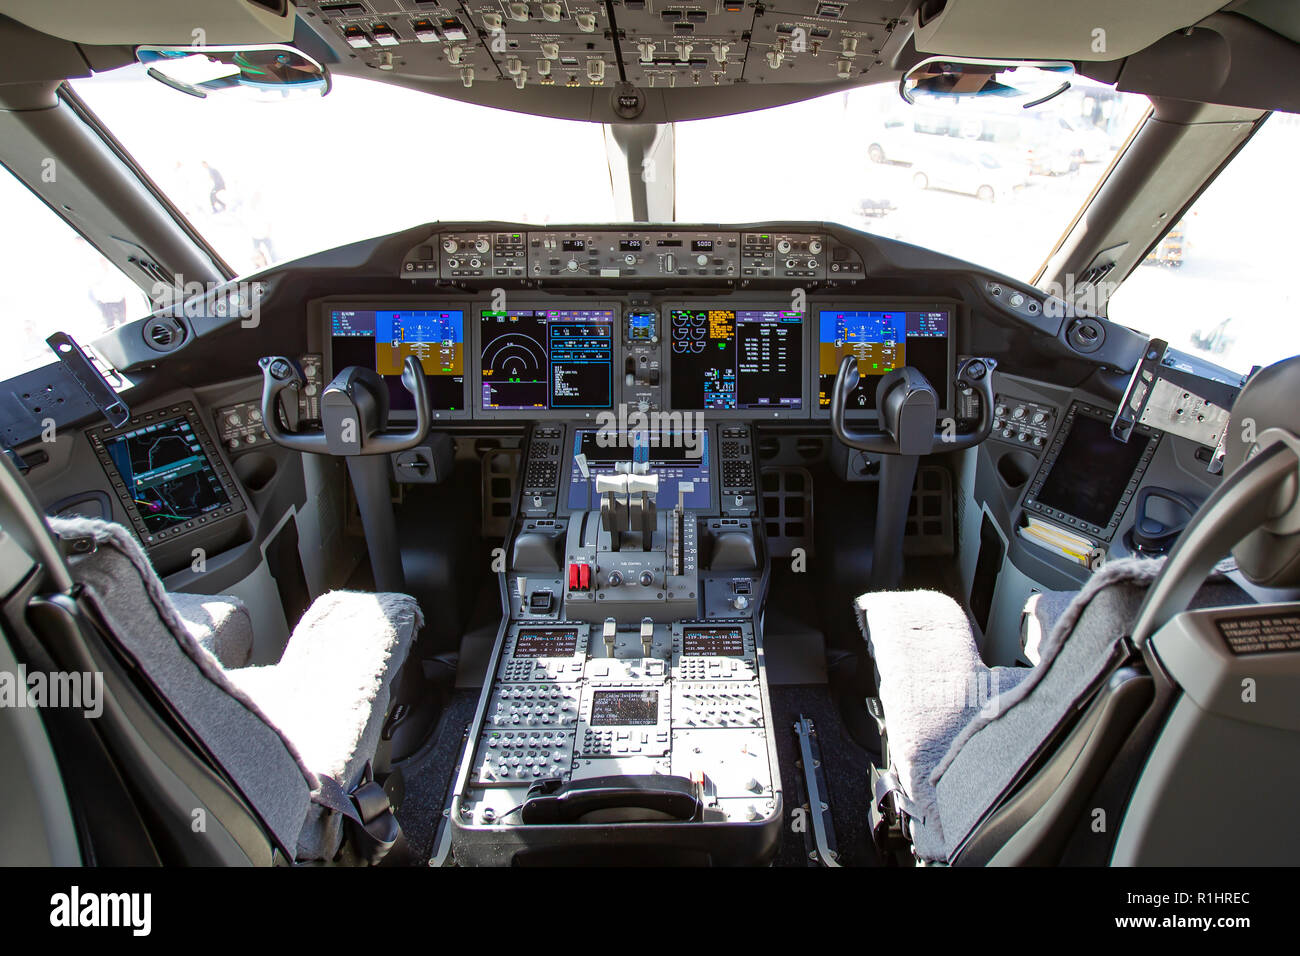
[1270, 555]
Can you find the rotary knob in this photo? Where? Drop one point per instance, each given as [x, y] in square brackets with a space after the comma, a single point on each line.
[784, 246]
[814, 246]
[615, 578]
[450, 245]
[647, 579]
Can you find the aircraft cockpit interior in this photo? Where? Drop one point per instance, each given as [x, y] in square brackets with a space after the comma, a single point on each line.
[650, 433]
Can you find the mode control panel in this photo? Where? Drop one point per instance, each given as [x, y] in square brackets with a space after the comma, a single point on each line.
[581, 252]
[630, 254]
[1022, 422]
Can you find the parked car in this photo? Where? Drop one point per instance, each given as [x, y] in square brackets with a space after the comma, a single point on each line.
[978, 173]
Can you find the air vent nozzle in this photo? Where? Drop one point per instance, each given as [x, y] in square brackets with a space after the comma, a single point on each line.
[165, 334]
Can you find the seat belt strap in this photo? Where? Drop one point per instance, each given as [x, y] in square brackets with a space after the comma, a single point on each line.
[373, 824]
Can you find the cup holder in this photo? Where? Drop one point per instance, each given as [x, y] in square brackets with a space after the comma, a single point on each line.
[255, 470]
[1016, 467]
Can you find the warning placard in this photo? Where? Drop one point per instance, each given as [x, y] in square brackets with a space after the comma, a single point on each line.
[1261, 633]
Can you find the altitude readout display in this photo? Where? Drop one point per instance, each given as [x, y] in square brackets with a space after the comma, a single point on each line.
[736, 359]
[624, 708]
[434, 338]
[881, 341]
[547, 359]
[383, 338]
[547, 642]
[167, 474]
[713, 642]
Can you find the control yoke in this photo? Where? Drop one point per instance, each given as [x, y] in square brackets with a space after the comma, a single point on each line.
[354, 426]
[353, 408]
[908, 408]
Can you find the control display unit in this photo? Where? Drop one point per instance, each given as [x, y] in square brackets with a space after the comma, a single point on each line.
[624, 708]
[382, 338]
[678, 459]
[166, 473]
[546, 359]
[883, 340]
[1087, 477]
[728, 359]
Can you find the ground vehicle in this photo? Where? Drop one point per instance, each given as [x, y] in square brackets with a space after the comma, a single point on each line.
[978, 173]
[641, 462]
[1170, 250]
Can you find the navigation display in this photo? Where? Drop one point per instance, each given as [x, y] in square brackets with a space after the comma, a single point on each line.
[168, 477]
[736, 359]
[382, 339]
[556, 359]
[883, 341]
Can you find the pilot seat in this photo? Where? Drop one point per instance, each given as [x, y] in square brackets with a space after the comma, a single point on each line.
[1144, 710]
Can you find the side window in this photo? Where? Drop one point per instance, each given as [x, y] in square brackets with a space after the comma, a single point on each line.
[54, 281]
[1219, 284]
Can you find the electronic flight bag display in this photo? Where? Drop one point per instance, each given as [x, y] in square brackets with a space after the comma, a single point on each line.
[382, 339]
[883, 340]
[168, 479]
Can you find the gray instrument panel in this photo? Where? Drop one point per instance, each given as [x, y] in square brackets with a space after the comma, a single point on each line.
[701, 254]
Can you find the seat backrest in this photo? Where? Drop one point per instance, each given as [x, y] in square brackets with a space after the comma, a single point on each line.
[1126, 608]
[132, 603]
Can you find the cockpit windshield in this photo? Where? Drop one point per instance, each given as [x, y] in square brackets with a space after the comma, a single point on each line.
[265, 182]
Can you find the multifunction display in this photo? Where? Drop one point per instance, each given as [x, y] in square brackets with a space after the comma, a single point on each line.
[882, 341]
[736, 359]
[382, 339]
[168, 477]
[558, 359]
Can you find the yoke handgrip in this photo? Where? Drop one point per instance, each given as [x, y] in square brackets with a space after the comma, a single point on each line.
[554, 801]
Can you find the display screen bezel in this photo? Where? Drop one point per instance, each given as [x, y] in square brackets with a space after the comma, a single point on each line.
[325, 342]
[774, 303]
[956, 323]
[1104, 532]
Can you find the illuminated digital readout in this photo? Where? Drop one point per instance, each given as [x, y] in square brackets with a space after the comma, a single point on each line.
[624, 708]
[547, 642]
[713, 642]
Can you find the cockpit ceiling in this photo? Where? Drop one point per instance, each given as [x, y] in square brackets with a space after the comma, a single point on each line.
[683, 58]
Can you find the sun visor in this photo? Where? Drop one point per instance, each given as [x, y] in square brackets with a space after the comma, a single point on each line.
[130, 22]
[1052, 29]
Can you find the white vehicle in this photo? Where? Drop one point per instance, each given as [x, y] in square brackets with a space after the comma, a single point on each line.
[970, 170]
